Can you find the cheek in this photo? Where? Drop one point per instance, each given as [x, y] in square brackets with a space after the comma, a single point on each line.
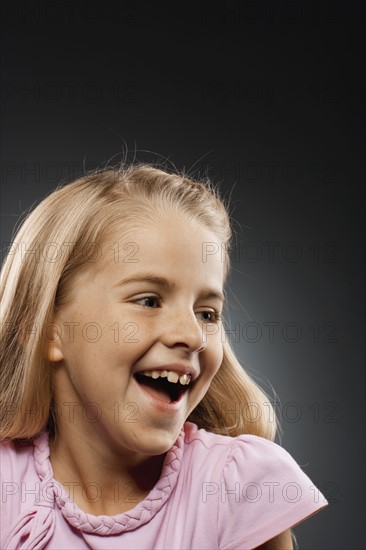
[216, 352]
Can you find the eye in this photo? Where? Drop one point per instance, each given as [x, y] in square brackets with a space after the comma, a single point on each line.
[210, 316]
[149, 301]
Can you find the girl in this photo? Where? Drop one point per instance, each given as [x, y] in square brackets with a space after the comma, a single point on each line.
[118, 385]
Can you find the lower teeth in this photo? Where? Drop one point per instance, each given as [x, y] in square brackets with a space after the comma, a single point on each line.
[162, 389]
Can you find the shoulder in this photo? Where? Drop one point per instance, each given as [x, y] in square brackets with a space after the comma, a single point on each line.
[264, 457]
[193, 434]
[17, 474]
[243, 450]
[15, 456]
[203, 447]
[268, 473]
[24, 516]
[257, 488]
[247, 456]
[16, 467]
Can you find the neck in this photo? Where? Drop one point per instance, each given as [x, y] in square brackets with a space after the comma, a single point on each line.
[100, 479]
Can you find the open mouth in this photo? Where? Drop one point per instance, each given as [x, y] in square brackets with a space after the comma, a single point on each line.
[161, 388]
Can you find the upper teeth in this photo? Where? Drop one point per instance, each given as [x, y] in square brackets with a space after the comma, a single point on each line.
[172, 376]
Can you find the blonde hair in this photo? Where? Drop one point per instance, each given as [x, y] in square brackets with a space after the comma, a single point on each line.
[38, 273]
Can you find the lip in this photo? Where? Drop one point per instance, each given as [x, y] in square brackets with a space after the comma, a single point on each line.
[162, 406]
[179, 368]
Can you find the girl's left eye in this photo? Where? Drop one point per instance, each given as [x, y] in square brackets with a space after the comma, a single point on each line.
[149, 301]
[213, 316]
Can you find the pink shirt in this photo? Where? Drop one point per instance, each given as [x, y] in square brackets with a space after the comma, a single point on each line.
[214, 492]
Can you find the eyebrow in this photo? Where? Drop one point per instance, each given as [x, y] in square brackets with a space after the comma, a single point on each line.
[166, 284]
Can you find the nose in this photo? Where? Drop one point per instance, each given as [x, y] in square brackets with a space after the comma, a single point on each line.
[183, 329]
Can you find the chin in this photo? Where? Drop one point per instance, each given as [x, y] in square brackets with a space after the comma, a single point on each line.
[158, 442]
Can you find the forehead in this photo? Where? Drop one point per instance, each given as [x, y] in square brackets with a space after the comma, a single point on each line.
[172, 246]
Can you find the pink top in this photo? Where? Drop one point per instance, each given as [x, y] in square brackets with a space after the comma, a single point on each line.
[214, 492]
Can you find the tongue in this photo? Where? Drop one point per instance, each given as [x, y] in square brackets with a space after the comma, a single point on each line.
[155, 388]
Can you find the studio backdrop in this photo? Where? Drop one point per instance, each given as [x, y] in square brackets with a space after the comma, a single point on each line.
[266, 99]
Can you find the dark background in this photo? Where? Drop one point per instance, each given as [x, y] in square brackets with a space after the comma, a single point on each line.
[267, 99]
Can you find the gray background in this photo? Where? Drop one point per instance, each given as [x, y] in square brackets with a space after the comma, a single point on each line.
[265, 97]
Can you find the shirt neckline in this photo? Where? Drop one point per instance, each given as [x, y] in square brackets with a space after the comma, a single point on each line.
[54, 492]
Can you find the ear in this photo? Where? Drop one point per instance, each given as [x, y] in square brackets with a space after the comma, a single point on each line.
[54, 351]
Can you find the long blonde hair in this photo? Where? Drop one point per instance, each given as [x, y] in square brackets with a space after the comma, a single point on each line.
[54, 243]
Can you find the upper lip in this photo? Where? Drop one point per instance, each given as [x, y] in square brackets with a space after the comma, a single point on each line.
[179, 368]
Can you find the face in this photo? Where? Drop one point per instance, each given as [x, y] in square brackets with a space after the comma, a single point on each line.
[149, 305]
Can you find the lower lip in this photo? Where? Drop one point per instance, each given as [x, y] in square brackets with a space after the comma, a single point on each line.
[162, 406]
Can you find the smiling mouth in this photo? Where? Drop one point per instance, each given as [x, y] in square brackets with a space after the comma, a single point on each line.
[161, 388]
